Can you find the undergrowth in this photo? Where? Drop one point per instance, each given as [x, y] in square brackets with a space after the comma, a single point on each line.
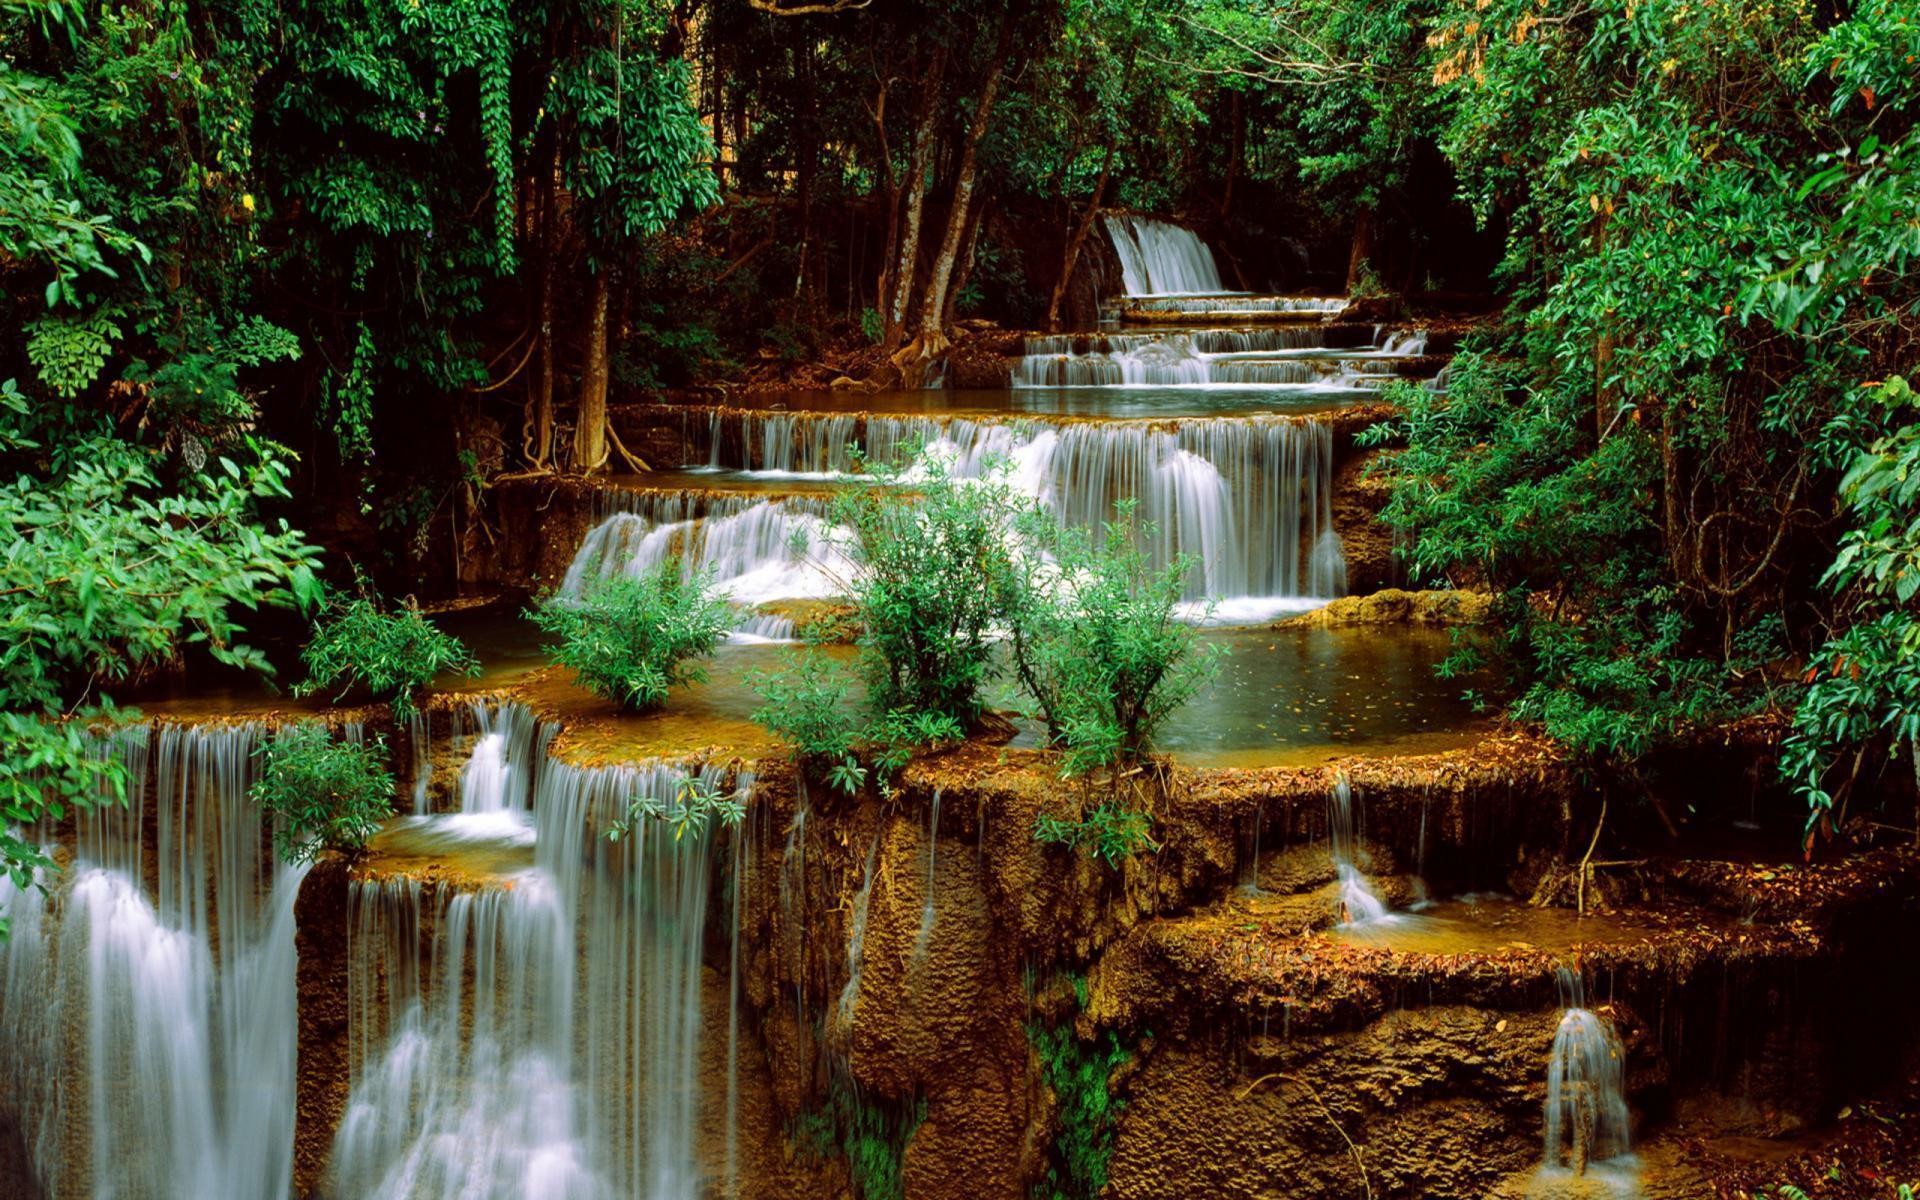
[1079, 1073]
[870, 1137]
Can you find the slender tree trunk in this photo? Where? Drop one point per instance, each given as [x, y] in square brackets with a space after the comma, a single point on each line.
[1236, 150]
[907, 259]
[541, 450]
[590, 433]
[1362, 248]
[934, 304]
[1071, 258]
[883, 280]
[970, 243]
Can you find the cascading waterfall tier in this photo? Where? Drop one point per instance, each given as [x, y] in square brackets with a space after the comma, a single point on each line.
[1250, 499]
[1360, 904]
[745, 542]
[148, 1024]
[553, 1048]
[1262, 357]
[1159, 258]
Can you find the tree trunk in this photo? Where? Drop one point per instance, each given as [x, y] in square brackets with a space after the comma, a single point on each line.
[970, 243]
[907, 259]
[540, 451]
[1362, 247]
[934, 304]
[590, 433]
[1071, 258]
[1236, 150]
[890, 188]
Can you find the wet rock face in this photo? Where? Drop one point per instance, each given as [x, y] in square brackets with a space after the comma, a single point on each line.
[1358, 497]
[1440, 1101]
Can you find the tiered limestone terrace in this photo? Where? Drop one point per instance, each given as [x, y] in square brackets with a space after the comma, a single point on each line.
[1328, 976]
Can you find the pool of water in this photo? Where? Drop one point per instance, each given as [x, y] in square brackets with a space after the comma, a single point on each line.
[1280, 697]
[1490, 924]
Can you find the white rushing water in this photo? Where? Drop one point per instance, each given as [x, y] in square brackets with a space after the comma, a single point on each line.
[1361, 905]
[1291, 357]
[1250, 499]
[1587, 1123]
[1159, 258]
[552, 1048]
[148, 1037]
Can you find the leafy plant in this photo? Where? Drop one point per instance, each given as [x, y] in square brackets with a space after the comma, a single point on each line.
[1863, 685]
[322, 794]
[633, 639]
[1111, 832]
[392, 655]
[1079, 1073]
[871, 1138]
[931, 569]
[698, 803]
[1096, 642]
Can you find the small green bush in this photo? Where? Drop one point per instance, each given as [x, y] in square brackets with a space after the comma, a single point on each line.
[870, 1137]
[323, 794]
[932, 570]
[391, 654]
[1111, 832]
[632, 639]
[1096, 643]
[805, 704]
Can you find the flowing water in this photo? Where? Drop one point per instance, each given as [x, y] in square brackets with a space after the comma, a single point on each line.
[552, 1050]
[147, 1008]
[1161, 258]
[1587, 1123]
[1361, 905]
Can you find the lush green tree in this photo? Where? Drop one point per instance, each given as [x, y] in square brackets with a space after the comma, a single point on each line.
[135, 483]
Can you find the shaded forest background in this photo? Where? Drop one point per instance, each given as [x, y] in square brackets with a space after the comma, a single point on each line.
[338, 266]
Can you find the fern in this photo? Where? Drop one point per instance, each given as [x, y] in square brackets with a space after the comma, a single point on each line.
[70, 352]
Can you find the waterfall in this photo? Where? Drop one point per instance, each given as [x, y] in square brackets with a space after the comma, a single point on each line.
[554, 1050]
[857, 936]
[1358, 901]
[746, 543]
[1587, 1124]
[927, 906]
[149, 1036]
[1251, 499]
[1159, 258]
[420, 746]
[497, 779]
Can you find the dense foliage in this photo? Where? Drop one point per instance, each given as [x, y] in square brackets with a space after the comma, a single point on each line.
[322, 794]
[1709, 272]
[391, 654]
[633, 639]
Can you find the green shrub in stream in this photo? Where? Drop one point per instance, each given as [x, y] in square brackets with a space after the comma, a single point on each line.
[391, 654]
[1096, 643]
[1111, 832]
[633, 640]
[322, 794]
[1079, 1074]
[931, 577]
[870, 1138]
[806, 705]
